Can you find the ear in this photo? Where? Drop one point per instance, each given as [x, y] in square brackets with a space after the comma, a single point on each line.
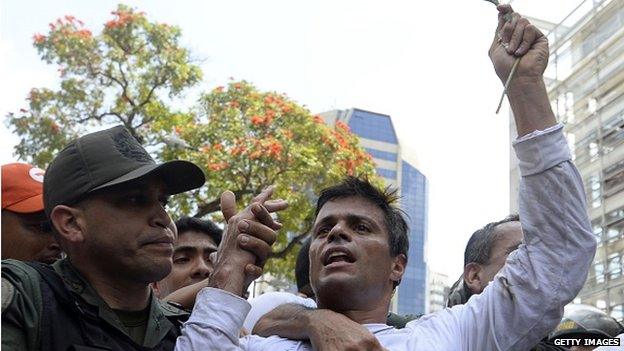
[398, 268]
[472, 277]
[156, 288]
[68, 223]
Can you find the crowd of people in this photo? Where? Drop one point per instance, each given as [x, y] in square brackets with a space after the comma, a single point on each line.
[91, 259]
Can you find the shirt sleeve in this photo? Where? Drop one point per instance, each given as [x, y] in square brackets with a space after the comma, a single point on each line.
[525, 300]
[214, 323]
[267, 302]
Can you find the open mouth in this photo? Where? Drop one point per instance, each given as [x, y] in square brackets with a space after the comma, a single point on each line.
[338, 254]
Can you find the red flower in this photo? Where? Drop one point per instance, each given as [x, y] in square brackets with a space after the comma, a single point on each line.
[341, 125]
[39, 38]
[218, 166]
[257, 120]
[275, 148]
[318, 119]
[55, 128]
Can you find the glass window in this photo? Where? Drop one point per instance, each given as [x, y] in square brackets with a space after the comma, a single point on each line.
[599, 272]
[617, 312]
[614, 216]
[615, 265]
[613, 133]
[614, 178]
[384, 155]
[597, 227]
[586, 149]
[592, 189]
[615, 231]
[386, 173]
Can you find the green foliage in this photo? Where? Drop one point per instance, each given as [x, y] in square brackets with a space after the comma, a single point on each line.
[246, 140]
[119, 76]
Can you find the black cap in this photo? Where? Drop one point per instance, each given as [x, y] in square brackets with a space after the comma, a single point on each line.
[106, 158]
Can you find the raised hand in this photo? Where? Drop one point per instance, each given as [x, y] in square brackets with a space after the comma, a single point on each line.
[518, 38]
[247, 242]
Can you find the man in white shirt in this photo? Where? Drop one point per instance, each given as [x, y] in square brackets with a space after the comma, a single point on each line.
[355, 261]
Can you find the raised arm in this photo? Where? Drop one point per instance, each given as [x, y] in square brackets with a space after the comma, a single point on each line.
[527, 92]
[525, 300]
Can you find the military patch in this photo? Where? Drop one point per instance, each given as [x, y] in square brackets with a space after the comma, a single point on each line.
[566, 325]
[128, 146]
[8, 291]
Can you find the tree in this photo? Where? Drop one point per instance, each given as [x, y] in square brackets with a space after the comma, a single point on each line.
[246, 140]
[119, 76]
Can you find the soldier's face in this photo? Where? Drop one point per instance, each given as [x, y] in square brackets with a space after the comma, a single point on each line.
[128, 232]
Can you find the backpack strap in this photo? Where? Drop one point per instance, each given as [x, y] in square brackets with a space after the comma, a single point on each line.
[70, 302]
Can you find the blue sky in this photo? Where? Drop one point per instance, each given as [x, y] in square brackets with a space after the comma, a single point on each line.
[424, 63]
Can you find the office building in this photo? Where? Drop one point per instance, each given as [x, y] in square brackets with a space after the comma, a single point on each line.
[378, 137]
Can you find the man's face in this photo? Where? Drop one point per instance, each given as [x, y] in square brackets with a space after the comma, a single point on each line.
[191, 263]
[350, 255]
[509, 236]
[23, 238]
[127, 231]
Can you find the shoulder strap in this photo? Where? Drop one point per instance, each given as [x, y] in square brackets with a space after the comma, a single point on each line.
[66, 299]
[56, 284]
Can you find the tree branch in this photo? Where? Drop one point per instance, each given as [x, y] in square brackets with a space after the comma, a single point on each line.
[296, 240]
[125, 85]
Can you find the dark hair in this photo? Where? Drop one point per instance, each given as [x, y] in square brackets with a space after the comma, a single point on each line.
[186, 223]
[384, 199]
[481, 242]
[302, 265]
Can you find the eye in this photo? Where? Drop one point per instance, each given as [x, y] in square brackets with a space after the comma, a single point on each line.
[362, 228]
[164, 202]
[322, 231]
[181, 260]
[137, 199]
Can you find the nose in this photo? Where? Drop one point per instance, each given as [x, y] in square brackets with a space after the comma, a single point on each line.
[339, 232]
[202, 269]
[160, 218]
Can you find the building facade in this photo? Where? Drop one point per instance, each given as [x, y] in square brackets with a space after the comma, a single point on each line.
[378, 137]
[438, 291]
[585, 82]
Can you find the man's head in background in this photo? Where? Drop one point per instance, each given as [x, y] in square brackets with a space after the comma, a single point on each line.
[197, 239]
[302, 270]
[485, 255]
[26, 233]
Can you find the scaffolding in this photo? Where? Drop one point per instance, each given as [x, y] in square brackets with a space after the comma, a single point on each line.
[585, 81]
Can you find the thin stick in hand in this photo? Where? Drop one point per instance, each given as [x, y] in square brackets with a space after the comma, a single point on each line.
[513, 68]
[511, 73]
